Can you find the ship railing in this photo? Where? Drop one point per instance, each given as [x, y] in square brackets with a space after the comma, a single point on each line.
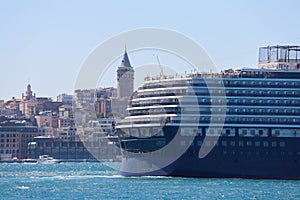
[222, 74]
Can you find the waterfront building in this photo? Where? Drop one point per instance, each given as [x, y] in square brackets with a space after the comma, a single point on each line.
[47, 119]
[65, 98]
[66, 133]
[103, 107]
[28, 107]
[65, 122]
[107, 125]
[83, 96]
[11, 108]
[47, 131]
[65, 111]
[14, 140]
[108, 92]
[72, 150]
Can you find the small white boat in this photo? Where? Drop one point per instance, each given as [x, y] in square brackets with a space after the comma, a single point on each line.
[45, 159]
[29, 161]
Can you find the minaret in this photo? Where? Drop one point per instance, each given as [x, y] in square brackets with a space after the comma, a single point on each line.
[125, 77]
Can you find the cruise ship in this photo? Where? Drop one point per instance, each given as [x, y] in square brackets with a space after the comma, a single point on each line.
[238, 123]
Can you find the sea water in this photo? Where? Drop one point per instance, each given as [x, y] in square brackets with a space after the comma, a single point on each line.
[100, 181]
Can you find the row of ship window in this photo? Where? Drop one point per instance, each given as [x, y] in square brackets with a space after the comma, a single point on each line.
[260, 110]
[243, 111]
[208, 110]
[249, 153]
[222, 101]
[258, 92]
[193, 132]
[266, 83]
[245, 83]
[234, 143]
[259, 119]
[249, 102]
[228, 92]
[235, 83]
[228, 119]
[282, 153]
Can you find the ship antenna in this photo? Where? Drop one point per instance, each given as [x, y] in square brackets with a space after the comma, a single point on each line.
[161, 68]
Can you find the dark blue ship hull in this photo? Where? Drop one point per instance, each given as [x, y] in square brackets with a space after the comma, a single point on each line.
[258, 157]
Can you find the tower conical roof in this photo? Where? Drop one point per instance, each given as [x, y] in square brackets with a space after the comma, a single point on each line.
[125, 61]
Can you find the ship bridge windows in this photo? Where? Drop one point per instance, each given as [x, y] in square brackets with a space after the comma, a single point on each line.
[134, 132]
[145, 132]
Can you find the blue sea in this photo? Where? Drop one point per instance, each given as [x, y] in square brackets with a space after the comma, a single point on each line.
[100, 181]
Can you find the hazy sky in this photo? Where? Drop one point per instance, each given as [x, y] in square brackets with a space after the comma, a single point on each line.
[46, 42]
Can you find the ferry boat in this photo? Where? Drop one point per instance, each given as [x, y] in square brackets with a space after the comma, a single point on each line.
[241, 123]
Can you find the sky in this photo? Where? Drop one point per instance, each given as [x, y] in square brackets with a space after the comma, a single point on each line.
[44, 43]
